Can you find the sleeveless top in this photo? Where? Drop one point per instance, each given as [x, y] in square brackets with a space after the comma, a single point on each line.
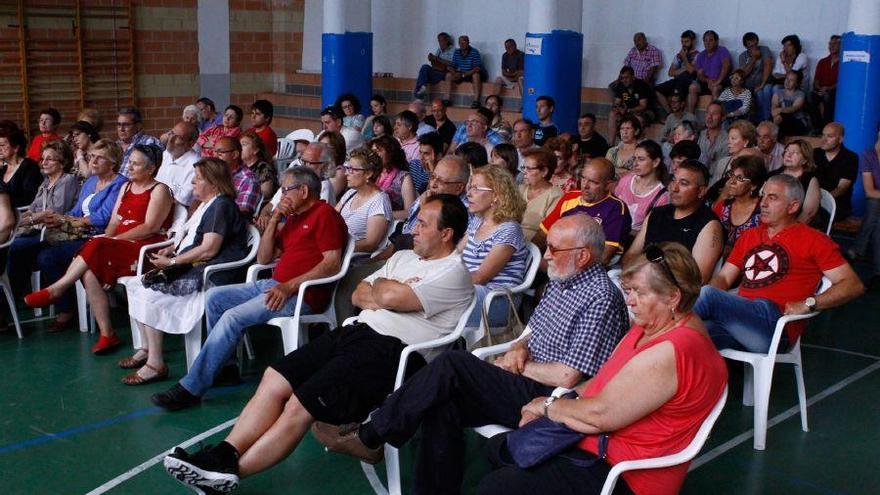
[723, 210]
[664, 227]
[701, 375]
[133, 209]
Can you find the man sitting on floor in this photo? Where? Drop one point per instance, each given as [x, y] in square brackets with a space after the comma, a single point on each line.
[781, 262]
[575, 327]
[594, 199]
[308, 245]
[685, 220]
[340, 377]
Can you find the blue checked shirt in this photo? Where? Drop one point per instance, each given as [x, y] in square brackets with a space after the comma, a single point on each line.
[578, 322]
[139, 138]
[461, 136]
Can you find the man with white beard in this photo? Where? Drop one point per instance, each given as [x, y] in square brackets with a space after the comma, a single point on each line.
[575, 327]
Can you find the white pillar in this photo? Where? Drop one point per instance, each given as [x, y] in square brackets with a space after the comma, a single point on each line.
[864, 16]
[543, 16]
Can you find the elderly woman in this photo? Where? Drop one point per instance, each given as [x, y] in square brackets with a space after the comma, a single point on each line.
[537, 191]
[643, 189]
[191, 114]
[395, 179]
[648, 400]
[366, 210]
[378, 106]
[214, 233]
[255, 157]
[740, 209]
[350, 106]
[231, 127]
[56, 195]
[740, 136]
[565, 176]
[48, 124]
[494, 249]
[630, 131]
[82, 136]
[797, 161]
[140, 216]
[21, 176]
[65, 234]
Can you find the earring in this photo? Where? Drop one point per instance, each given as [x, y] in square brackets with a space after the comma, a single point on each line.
[672, 312]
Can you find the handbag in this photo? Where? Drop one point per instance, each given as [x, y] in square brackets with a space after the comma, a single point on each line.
[543, 438]
[511, 331]
[165, 275]
[66, 231]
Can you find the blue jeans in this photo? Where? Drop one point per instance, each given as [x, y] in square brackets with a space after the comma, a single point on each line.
[230, 310]
[53, 261]
[869, 233]
[428, 75]
[497, 311]
[764, 98]
[735, 322]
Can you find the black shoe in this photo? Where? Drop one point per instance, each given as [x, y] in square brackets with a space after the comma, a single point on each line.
[210, 470]
[175, 398]
[228, 376]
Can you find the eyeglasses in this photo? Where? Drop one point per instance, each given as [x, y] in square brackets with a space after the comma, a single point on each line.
[309, 162]
[290, 188]
[480, 189]
[443, 182]
[555, 250]
[738, 178]
[350, 170]
[655, 254]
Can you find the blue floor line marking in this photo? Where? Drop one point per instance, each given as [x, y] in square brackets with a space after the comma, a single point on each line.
[51, 437]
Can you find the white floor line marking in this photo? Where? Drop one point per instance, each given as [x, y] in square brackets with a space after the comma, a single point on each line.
[842, 351]
[155, 460]
[735, 441]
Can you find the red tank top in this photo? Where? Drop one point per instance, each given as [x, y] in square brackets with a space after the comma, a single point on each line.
[133, 209]
[701, 375]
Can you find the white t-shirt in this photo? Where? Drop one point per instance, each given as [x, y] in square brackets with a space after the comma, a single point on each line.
[356, 220]
[443, 287]
[178, 175]
[800, 63]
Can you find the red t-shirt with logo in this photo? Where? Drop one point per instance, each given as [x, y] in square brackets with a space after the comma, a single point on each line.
[302, 240]
[786, 268]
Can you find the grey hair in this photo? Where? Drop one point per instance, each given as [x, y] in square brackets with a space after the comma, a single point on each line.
[419, 107]
[306, 176]
[192, 109]
[794, 191]
[688, 126]
[588, 232]
[464, 171]
[774, 129]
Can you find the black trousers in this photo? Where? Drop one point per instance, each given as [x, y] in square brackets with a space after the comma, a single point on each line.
[455, 391]
[571, 473]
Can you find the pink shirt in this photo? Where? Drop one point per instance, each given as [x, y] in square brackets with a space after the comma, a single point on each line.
[639, 205]
[410, 149]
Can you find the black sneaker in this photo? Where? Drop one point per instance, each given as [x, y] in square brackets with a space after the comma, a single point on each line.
[207, 471]
[228, 376]
[175, 398]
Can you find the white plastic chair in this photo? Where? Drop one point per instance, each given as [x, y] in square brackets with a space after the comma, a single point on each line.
[485, 353]
[828, 203]
[293, 329]
[392, 457]
[285, 153]
[685, 455]
[759, 373]
[193, 338]
[528, 279]
[35, 283]
[4, 278]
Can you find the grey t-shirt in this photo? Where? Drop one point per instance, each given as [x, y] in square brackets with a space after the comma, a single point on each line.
[756, 76]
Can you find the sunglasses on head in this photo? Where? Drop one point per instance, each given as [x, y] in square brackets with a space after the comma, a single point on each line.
[655, 254]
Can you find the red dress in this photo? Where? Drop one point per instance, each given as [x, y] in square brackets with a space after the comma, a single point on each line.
[109, 258]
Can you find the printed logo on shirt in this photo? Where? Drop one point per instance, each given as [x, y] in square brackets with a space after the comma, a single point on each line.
[765, 265]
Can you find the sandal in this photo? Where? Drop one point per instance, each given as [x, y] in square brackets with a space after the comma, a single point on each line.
[134, 378]
[138, 360]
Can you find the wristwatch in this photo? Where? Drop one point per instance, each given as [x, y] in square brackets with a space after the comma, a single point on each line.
[547, 402]
[810, 303]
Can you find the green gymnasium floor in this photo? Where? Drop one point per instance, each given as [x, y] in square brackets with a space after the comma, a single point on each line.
[68, 426]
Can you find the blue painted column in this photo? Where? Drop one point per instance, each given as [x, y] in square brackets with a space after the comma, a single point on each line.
[858, 85]
[553, 65]
[347, 51]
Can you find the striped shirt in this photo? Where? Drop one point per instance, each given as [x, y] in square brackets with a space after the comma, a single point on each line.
[356, 219]
[508, 233]
[465, 63]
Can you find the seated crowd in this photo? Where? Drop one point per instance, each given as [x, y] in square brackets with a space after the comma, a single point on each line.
[641, 242]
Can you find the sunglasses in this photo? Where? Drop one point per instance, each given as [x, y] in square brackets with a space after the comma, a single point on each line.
[655, 254]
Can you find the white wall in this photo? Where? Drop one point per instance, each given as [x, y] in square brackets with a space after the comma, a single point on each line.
[405, 30]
